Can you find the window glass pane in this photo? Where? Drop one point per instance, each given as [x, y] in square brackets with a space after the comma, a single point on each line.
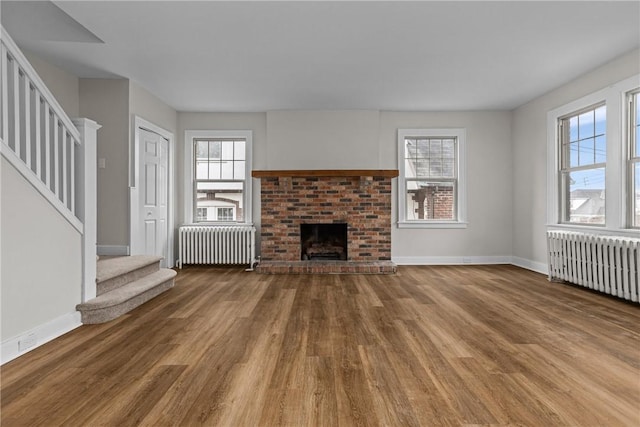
[409, 149]
[601, 120]
[215, 149]
[225, 214]
[574, 147]
[435, 148]
[227, 150]
[202, 149]
[227, 170]
[427, 200]
[422, 148]
[435, 168]
[410, 168]
[202, 168]
[585, 125]
[601, 149]
[587, 196]
[214, 170]
[448, 149]
[448, 169]
[239, 150]
[586, 156]
[422, 168]
[573, 129]
[215, 195]
[239, 170]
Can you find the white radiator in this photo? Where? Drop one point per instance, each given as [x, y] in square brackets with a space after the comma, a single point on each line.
[220, 244]
[609, 264]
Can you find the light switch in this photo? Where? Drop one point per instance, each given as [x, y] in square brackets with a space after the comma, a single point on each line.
[102, 163]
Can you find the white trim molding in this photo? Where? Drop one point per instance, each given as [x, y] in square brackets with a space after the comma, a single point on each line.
[538, 267]
[451, 260]
[38, 336]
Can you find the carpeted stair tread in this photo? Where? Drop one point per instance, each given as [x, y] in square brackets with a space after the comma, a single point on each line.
[128, 291]
[113, 267]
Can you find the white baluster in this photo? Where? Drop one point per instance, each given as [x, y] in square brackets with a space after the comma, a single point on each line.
[27, 120]
[72, 174]
[65, 171]
[56, 157]
[47, 144]
[38, 133]
[16, 107]
[5, 96]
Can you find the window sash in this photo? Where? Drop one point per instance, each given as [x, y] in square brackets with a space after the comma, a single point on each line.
[566, 169]
[222, 157]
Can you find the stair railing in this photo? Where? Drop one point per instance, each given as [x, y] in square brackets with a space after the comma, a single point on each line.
[55, 155]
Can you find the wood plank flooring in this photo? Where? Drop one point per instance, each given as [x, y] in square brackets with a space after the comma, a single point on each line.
[430, 346]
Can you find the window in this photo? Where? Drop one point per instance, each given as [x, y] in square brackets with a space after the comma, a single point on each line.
[219, 163]
[225, 214]
[431, 181]
[583, 153]
[634, 157]
[593, 161]
[201, 214]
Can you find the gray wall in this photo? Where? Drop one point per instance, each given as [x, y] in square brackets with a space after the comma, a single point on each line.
[368, 140]
[506, 152]
[41, 258]
[529, 130]
[65, 87]
[107, 102]
[489, 200]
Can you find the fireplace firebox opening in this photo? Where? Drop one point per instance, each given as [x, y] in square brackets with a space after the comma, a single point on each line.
[321, 242]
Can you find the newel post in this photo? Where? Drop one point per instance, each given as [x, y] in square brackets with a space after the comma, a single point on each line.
[87, 201]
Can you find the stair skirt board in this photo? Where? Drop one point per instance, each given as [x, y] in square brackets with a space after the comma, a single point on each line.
[101, 310]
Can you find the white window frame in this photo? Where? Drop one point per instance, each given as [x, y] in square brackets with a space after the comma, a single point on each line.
[189, 137]
[461, 185]
[633, 156]
[616, 170]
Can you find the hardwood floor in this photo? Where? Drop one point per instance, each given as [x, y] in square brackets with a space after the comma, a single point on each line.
[453, 345]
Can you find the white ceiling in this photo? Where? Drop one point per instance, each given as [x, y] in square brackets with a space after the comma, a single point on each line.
[260, 56]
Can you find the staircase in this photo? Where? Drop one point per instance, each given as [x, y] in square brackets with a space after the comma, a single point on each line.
[124, 283]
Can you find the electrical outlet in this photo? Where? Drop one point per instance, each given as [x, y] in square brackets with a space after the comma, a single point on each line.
[27, 342]
[466, 260]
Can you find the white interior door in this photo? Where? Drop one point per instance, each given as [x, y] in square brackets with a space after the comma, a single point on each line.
[153, 185]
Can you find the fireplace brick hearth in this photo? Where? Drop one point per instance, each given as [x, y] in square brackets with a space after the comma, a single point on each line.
[360, 199]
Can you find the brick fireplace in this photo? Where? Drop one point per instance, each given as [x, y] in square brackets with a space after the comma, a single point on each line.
[360, 199]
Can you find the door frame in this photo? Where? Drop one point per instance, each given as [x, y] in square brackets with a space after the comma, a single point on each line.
[136, 240]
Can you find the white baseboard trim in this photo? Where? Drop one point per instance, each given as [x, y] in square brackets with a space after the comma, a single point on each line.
[113, 250]
[453, 260]
[538, 267]
[38, 336]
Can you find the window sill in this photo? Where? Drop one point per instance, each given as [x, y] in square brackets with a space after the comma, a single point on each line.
[221, 223]
[432, 224]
